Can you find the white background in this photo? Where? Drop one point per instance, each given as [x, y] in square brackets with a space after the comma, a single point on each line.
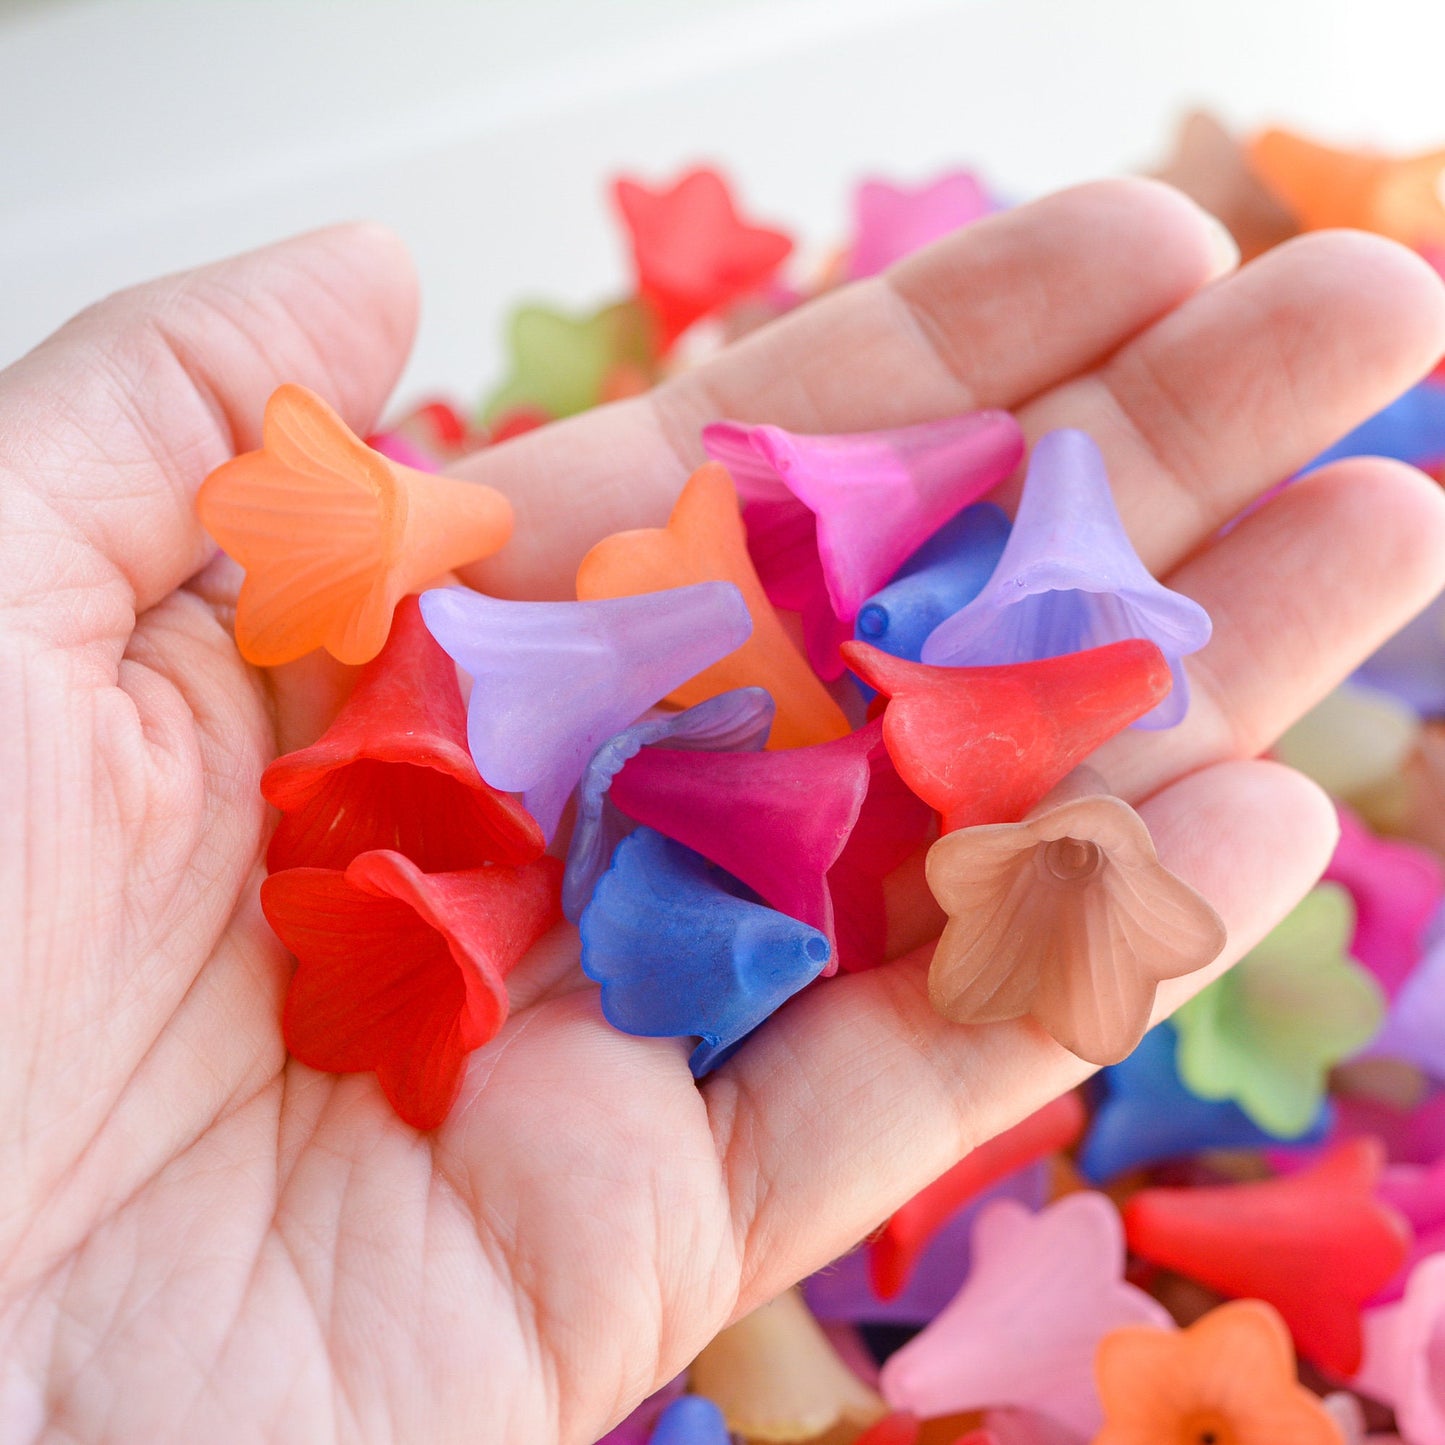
[141, 137]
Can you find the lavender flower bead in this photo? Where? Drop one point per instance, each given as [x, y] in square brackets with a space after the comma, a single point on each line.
[552, 681]
[1070, 579]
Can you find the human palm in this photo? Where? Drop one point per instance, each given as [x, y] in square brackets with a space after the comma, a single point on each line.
[200, 1240]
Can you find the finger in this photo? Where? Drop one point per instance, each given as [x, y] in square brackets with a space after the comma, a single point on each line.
[985, 318]
[111, 424]
[1249, 380]
[858, 1094]
[1301, 593]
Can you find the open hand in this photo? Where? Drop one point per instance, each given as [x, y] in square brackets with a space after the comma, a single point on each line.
[201, 1241]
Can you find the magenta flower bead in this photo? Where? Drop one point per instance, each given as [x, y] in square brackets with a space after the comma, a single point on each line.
[1397, 889]
[891, 222]
[844, 513]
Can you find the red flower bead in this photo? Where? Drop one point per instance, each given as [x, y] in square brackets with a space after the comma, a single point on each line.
[984, 744]
[393, 771]
[692, 251]
[1316, 1245]
[402, 972]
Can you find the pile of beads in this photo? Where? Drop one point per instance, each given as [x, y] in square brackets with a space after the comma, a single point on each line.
[838, 666]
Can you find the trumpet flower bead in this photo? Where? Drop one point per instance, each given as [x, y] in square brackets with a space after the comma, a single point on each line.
[1069, 579]
[402, 972]
[552, 681]
[736, 721]
[680, 950]
[332, 535]
[704, 542]
[862, 502]
[393, 772]
[985, 744]
[1068, 917]
[945, 574]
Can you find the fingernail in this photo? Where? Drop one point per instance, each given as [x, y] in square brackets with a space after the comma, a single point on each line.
[1224, 249]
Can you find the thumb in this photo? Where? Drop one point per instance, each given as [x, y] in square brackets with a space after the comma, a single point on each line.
[108, 428]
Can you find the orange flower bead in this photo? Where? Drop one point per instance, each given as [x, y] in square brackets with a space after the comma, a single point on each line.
[333, 535]
[704, 542]
[1397, 196]
[1229, 1379]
